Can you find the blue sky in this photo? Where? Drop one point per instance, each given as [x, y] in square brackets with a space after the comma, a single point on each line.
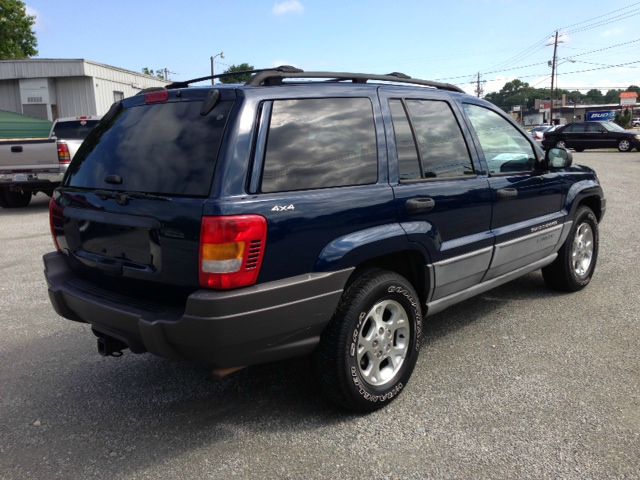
[434, 40]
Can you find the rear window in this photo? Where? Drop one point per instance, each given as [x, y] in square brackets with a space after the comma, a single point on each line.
[73, 130]
[167, 148]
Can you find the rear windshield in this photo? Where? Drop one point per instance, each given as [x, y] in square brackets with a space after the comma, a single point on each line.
[167, 148]
[74, 130]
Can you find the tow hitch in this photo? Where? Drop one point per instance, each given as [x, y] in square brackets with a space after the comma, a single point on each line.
[110, 347]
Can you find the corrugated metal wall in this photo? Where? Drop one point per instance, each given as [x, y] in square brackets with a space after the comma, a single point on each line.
[75, 96]
[11, 69]
[10, 96]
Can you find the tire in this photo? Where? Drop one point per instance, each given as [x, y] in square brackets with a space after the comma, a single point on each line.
[362, 377]
[566, 275]
[3, 200]
[624, 146]
[16, 199]
[561, 144]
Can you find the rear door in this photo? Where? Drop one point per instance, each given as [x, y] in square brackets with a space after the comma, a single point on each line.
[527, 200]
[318, 177]
[131, 201]
[442, 197]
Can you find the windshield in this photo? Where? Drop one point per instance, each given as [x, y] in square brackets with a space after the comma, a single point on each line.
[613, 127]
[73, 130]
[166, 148]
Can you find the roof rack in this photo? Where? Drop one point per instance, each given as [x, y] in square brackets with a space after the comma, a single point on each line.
[186, 83]
[275, 76]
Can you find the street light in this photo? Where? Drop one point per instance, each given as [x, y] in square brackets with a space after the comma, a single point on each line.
[221, 55]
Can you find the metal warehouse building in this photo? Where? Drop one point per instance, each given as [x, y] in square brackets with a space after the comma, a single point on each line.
[52, 88]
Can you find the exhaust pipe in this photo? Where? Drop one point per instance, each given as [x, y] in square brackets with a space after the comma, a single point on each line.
[110, 347]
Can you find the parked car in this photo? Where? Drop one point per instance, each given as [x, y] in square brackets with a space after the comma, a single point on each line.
[635, 122]
[583, 135]
[32, 165]
[537, 133]
[242, 224]
[71, 131]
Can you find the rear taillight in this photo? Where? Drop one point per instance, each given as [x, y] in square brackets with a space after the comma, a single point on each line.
[55, 218]
[231, 250]
[64, 156]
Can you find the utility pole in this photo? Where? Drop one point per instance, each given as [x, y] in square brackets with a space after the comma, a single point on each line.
[553, 74]
[221, 55]
[478, 86]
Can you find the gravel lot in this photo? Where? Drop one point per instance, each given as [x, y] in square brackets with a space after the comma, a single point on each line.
[519, 382]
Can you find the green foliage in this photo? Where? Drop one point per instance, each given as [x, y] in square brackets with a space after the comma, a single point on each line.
[17, 38]
[517, 92]
[240, 77]
[158, 73]
[623, 118]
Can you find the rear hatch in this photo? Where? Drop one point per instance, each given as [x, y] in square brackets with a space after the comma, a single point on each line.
[130, 207]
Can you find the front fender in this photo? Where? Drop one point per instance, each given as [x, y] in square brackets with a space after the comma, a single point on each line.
[358, 247]
[581, 190]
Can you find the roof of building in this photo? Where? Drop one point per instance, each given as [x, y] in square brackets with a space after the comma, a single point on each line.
[59, 67]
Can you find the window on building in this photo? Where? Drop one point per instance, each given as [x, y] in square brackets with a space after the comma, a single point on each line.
[320, 143]
[117, 96]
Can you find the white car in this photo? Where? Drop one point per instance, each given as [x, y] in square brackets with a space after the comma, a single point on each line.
[70, 133]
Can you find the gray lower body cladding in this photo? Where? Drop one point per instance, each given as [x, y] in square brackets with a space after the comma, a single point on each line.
[263, 323]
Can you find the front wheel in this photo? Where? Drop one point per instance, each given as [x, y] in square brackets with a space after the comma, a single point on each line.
[369, 349]
[624, 146]
[573, 268]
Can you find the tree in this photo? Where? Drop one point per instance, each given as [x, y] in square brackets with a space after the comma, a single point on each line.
[612, 96]
[594, 96]
[17, 38]
[240, 77]
[158, 73]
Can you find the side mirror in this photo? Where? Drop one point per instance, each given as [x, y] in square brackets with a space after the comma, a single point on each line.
[558, 158]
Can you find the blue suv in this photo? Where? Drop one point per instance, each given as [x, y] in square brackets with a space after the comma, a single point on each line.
[322, 213]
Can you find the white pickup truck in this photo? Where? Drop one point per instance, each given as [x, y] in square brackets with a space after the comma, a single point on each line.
[29, 166]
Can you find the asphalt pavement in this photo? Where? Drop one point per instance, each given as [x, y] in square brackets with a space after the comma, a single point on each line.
[520, 382]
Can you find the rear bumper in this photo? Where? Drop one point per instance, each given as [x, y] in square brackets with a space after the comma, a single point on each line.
[33, 180]
[263, 323]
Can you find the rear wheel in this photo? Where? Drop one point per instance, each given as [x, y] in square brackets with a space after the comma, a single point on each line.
[624, 146]
[16, 199]
[369, 349]
[573, 268]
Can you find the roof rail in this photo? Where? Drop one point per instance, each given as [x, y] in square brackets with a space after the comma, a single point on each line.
[275, 76]
[186, 83]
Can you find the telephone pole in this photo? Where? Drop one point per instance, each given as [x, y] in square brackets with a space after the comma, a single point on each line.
[479, 90]
[553, 74]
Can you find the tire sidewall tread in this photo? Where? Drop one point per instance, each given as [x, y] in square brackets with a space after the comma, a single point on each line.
[336, 359]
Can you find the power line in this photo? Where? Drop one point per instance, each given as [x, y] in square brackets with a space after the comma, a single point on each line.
[599, 16]
[574, 71]
[570, 57]
[606, 22]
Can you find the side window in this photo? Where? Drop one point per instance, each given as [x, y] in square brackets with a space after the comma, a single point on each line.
[575, 128]
[320, 143]
[442, 148]
[594, 127]
[408, 162]
[505, 149]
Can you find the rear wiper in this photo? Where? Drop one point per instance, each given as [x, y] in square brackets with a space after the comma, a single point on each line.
[122, 198]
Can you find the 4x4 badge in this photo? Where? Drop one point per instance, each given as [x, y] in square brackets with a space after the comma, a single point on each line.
[283, 208]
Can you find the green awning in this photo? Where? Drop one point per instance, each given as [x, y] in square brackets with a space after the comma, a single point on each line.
[14, 125]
